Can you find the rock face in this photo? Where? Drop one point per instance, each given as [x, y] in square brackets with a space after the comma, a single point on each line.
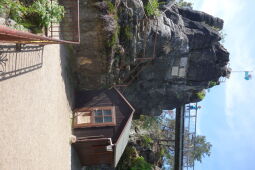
[93, 54]
[187, 59]
[168, 59]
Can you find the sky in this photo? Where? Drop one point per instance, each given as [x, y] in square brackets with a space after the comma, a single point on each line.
[227, 117]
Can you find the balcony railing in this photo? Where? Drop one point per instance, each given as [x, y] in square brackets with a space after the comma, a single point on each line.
[16, 59]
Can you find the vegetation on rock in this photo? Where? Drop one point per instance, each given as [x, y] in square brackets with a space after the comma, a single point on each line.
[152, 8]
[128, 32]
[212, 83]
[201, 94]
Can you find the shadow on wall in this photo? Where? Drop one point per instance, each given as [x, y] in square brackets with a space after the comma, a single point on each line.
[16, 60]
[75, 162]
[66, 73]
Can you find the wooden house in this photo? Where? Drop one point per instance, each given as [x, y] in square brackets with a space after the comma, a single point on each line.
[102, 121]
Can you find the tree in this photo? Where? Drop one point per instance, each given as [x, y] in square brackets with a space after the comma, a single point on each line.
[182, 3]
[202, 148]
[159, 133]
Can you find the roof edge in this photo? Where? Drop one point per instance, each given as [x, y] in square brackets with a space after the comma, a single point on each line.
[133, 110]
[129, 119]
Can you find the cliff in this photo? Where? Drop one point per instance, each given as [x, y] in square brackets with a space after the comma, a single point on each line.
[166, 58]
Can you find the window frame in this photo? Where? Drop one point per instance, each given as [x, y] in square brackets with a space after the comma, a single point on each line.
[92, 119]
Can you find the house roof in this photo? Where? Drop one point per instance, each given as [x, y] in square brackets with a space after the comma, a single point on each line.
[122, 141]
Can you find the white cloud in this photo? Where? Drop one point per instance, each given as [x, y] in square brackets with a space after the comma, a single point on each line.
[238, 133]
[225, 9]
[238, 91]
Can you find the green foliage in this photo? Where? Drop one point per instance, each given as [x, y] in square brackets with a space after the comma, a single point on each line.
[131, 161]
[202, 148]
[112, 41]
[35, 16]
[3, 6]
[212, 83]
[47, 12]
[41, 13]
[159, 132]
[128, 32]
[127, 158]
[201, 94]
[111, 8]
[13, 9]
[147, 121]
[17, 11]
[215, 28]
[183, 3]
[140, 164]
[152, 8]
[221, 33]
[162, 152]
[115, 36]
[146, 141]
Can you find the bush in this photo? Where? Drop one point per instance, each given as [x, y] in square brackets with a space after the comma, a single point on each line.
[141, 164]
[151, 8]
[212, 83]
[35, 16]
[41, 13]
[111, 8]
[48, 12]
[129, 155]
[146, 141]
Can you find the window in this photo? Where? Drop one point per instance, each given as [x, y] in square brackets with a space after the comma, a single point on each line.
[103, 116]
[95, 116]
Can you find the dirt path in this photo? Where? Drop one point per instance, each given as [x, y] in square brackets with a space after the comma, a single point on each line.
[34, 121]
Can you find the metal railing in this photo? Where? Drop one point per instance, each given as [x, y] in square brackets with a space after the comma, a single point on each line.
[190, 131]
[19, 59]
[69, 28]
[142, 61]
[185, 137]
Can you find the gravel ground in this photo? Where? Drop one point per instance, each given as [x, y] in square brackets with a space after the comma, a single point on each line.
[35, 117]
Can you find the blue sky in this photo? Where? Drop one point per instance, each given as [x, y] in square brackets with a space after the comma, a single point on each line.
[228, 117]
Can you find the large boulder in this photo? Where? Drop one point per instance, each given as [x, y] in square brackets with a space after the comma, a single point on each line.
[166, 60]
[187, 58]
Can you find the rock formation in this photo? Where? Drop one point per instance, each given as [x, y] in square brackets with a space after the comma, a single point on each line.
[166, 60]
